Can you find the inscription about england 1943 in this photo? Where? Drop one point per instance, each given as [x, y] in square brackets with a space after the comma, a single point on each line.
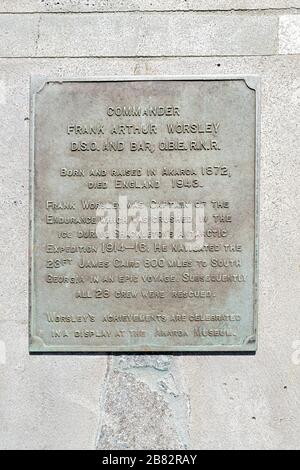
[144, 214]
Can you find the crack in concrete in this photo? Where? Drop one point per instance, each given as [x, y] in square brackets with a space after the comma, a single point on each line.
[143, 404]
[150, 57]
[255, 11]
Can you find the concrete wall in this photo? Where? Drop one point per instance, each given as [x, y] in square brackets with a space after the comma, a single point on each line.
[158, 402]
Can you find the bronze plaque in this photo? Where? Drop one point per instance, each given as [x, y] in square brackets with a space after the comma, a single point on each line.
[144, 214]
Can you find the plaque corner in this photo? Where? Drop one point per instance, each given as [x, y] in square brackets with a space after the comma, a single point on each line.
[36, 344]
[252, 82]
[250, 343]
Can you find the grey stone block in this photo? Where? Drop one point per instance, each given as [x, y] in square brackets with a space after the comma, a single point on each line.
[289, 34]
[235, 402]
[137, 34]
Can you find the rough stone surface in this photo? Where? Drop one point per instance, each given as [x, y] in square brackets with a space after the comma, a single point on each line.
[195, 401]
[143, 399]
[144, 34]
[129, 5]
[289, 34]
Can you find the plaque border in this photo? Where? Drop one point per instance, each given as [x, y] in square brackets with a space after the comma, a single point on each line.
[36, 344]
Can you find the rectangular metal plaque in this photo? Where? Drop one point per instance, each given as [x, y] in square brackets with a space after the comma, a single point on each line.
[144, 214]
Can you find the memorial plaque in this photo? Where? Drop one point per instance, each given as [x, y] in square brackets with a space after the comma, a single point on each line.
[144, 214]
